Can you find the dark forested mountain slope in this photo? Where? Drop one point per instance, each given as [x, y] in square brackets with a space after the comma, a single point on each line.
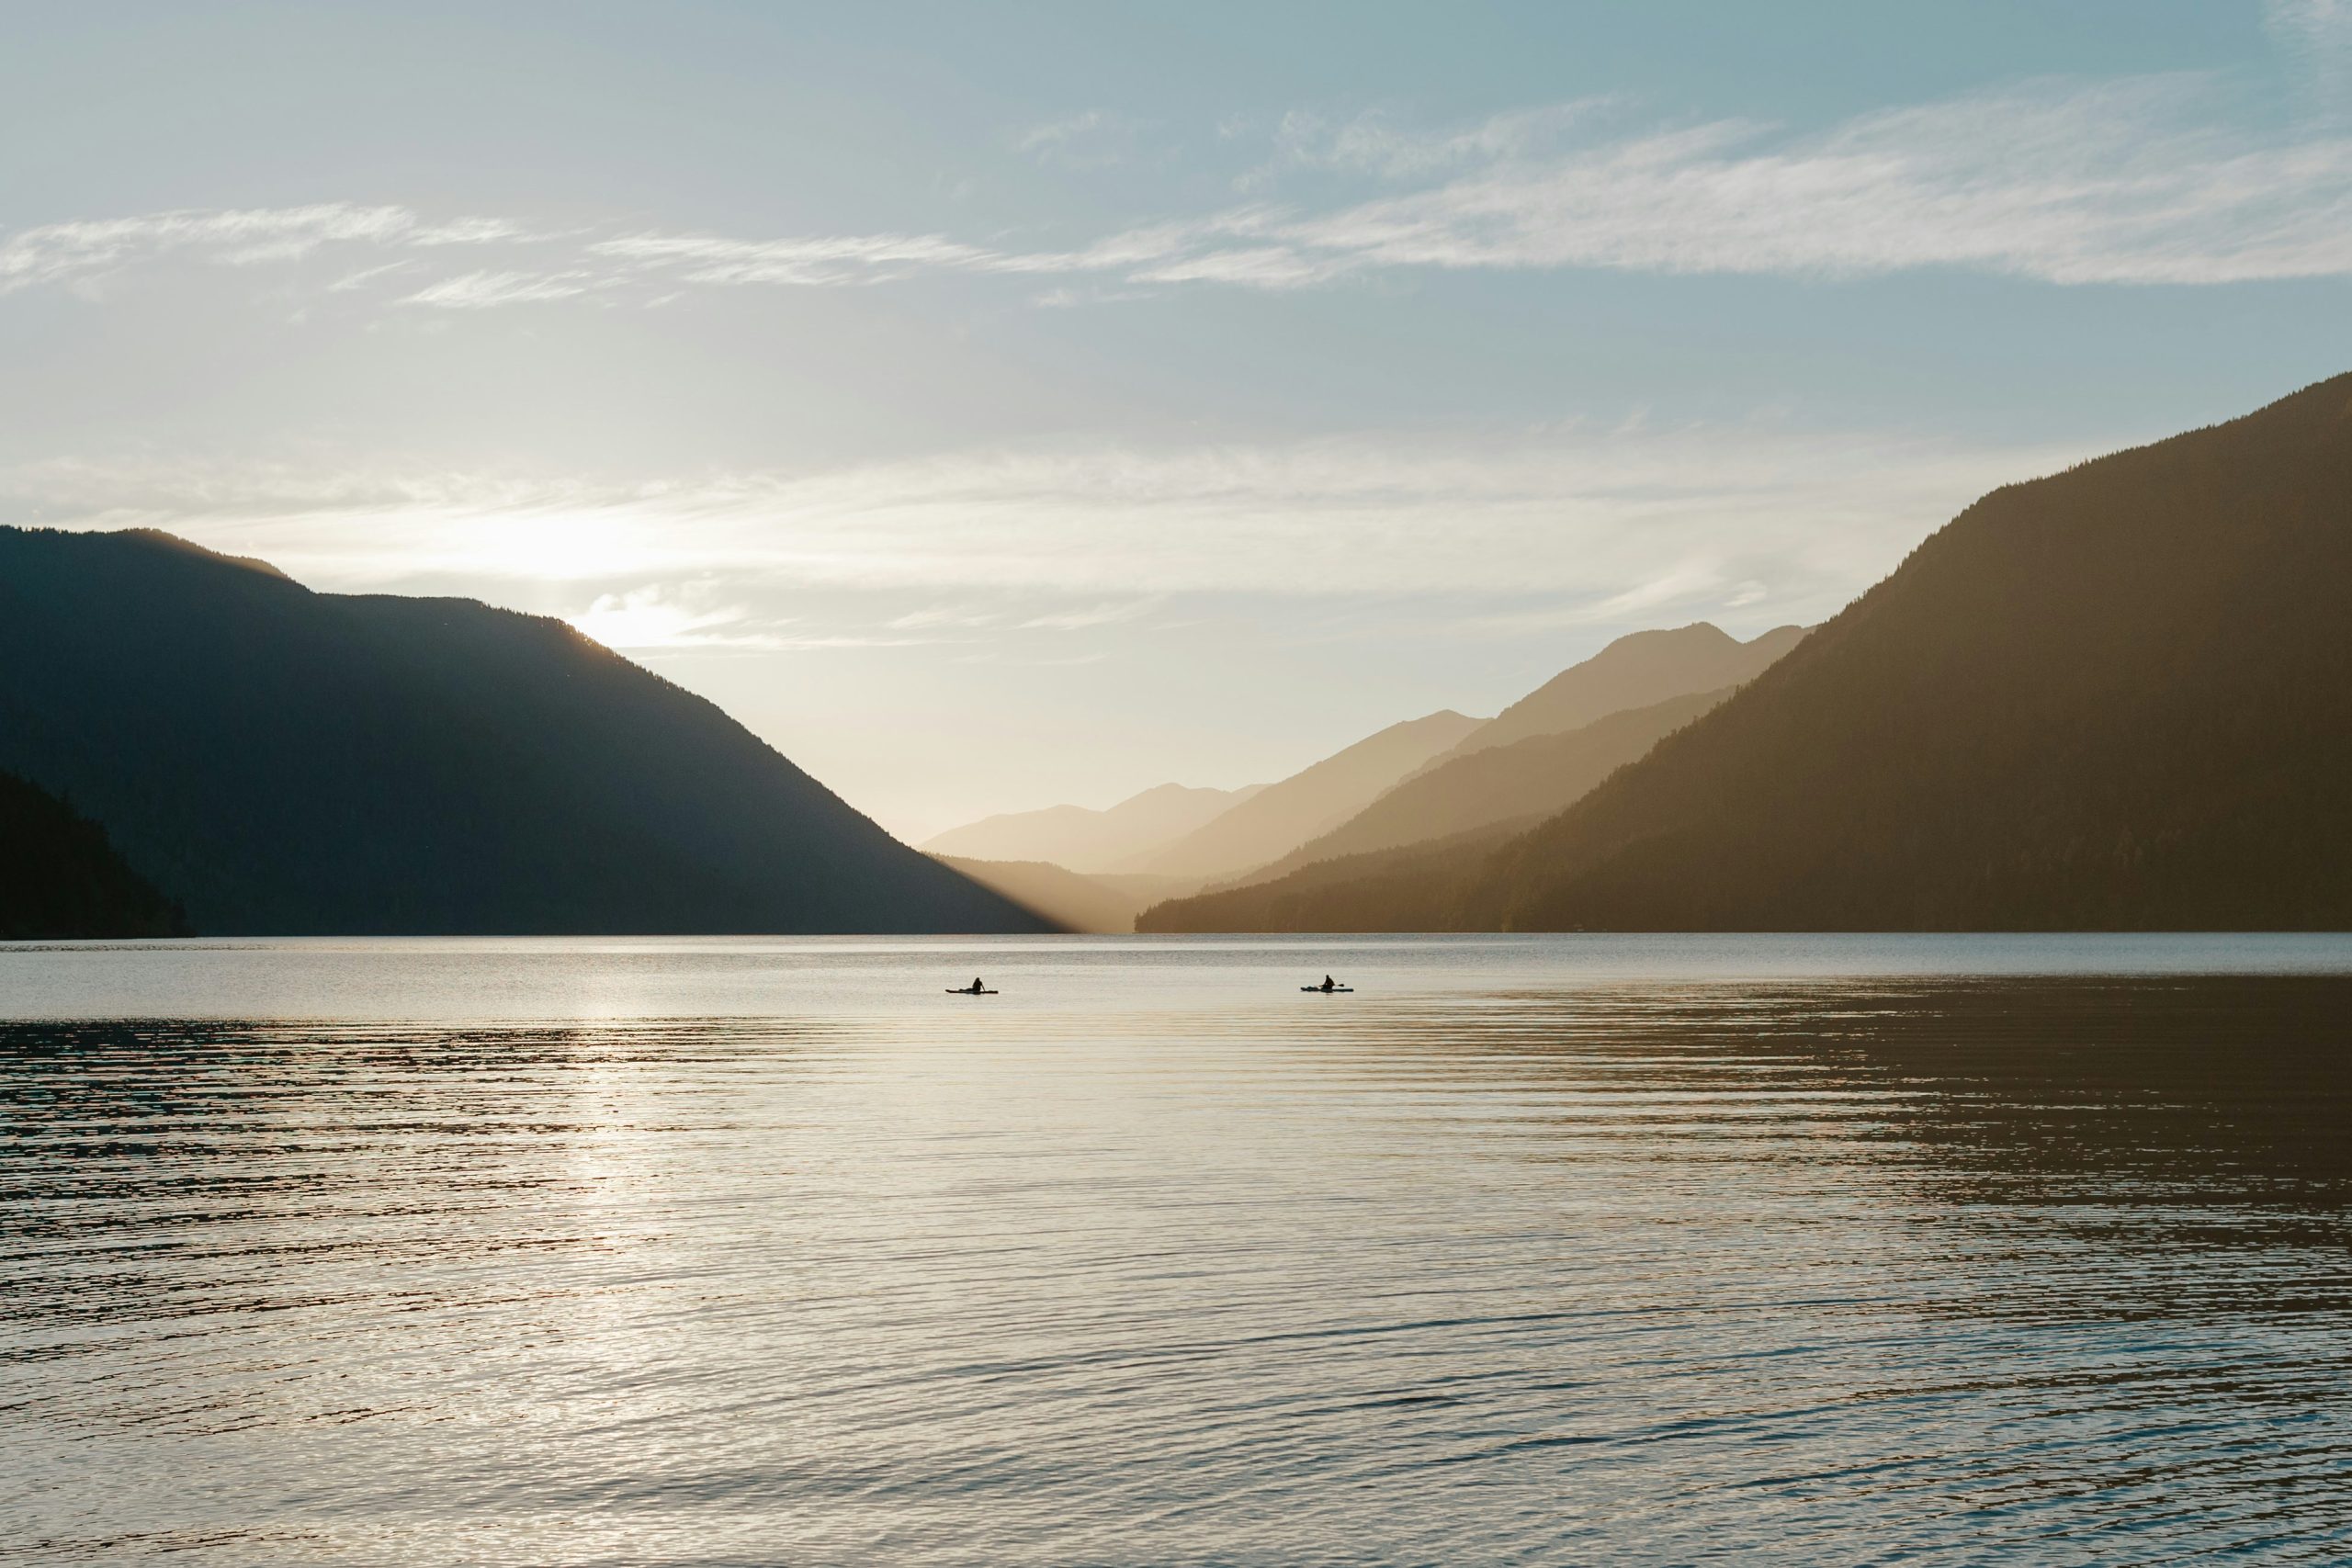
[59, 877]
[2119, 697]
[284, 761]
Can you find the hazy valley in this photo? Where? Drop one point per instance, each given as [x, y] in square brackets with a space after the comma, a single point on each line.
[2114, 697]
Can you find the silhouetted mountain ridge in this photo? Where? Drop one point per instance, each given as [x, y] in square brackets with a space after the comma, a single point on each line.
[284, 761]
[1638, 670]
[1519, 783]
[2117, 697]
[1283, 816]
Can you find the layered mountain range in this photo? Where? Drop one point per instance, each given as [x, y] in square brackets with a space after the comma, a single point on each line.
[1117, 839]
[2118, 698]
[1435, 777]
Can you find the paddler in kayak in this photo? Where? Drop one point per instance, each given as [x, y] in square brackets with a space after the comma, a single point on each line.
[1327, 985]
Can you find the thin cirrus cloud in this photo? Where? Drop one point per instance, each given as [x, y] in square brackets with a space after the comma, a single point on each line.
[2137, 181]
[2319, 31]
[1376, 144]
[2110, 185]
[2130, 182]
[683, 619]
[1093, 138]
[1613, 519]
[2063, 183]
[81, 251]
[657, 617]
[857, 258]
[480, 290]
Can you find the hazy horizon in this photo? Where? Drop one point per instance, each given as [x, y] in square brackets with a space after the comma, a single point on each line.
[1000, 409]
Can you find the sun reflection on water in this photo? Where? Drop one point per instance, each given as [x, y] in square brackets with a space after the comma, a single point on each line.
[1802, 1270]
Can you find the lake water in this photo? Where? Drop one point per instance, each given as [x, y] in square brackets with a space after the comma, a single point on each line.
[1584, 1249]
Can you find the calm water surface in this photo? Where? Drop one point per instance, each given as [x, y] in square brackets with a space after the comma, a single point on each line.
[1804, 1250]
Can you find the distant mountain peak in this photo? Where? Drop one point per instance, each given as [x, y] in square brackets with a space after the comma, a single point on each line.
[1081, 839]
[1636, 670]
[2118, 698]
[1280, 817]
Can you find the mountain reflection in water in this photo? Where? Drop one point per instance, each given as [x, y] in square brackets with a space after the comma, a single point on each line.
[1806, 1271]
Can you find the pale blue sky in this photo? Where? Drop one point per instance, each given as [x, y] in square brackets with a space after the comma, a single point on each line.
[1001, 405]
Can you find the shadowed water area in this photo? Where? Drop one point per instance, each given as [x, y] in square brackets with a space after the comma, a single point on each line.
[1806, 1250]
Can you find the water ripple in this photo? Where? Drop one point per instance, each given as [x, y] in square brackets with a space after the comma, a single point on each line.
[1512, 1267]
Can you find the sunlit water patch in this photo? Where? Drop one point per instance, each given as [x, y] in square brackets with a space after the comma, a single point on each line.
[1793, 1250]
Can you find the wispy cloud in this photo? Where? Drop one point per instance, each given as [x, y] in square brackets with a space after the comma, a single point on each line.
[1087, 617]
[2113, 184]
[2318, 33]
[950, 617]
[1379, 142]
[855, 258]
[363, 277]
[467, 231]
[1094, 139]
[660, 616]
[480, 290]
[1694, 516]
[2142, 181]
[65, 253]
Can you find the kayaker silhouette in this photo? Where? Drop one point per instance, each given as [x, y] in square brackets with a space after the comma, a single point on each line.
[1327, 985]
[977, 987]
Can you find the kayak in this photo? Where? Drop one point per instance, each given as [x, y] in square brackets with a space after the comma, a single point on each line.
[967, 991]
[1332, 992]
